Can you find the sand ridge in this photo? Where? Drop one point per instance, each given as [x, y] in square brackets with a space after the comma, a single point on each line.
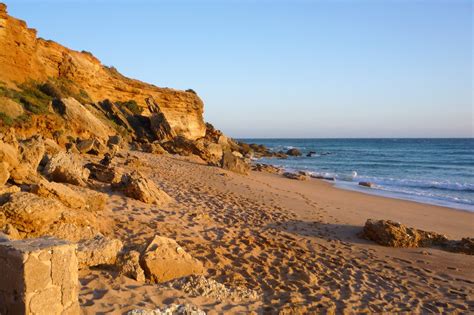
[292, 242]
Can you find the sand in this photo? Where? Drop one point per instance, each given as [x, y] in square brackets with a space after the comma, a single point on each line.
[292, 242]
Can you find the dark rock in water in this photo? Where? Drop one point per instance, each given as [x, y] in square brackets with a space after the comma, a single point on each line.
[366, 184]
[293, 152]
[325, 153]
[311, 153]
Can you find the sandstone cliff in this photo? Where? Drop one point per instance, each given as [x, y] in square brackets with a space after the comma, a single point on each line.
[25, 57]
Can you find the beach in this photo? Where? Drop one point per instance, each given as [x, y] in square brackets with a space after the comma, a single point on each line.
[294, 243]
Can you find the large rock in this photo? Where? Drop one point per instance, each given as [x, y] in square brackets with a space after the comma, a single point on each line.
[81, 119]
[393, 234]
[98, 251]
[165, 260]
[72, 196]
[111, 175]
[31, 213]
[135, 185]
[66, 168]
[232, 163]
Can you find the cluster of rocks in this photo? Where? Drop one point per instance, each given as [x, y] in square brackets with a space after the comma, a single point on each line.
[201, 286]
[393, 234]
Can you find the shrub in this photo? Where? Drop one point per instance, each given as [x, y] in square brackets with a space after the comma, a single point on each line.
[191, 91]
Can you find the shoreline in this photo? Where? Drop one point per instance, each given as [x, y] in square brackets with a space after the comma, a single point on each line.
[354, 186]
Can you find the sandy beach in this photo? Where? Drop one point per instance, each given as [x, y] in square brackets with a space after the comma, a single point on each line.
[293, 243]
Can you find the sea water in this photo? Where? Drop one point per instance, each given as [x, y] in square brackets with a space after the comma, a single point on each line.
[434, 171]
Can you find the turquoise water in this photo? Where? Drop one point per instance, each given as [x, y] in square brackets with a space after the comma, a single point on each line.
[434, 171]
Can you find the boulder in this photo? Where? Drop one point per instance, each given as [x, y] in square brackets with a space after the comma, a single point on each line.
[165, 260]
[72, 196]
[135, 185]
[31, 213]
[110, 175]
[366, 184]
[59, 192]
[296, 176]
[98, 251]
[81, 119]
[129, 266]
[393, 234]
[311, 153]
[66, 168]
[293, 152]
[232, 163]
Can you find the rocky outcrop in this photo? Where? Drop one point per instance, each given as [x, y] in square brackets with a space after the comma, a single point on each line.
[393, 234]
[232, 163]
[98, 251]
[81, 119]
[25, 57]
[165, 260]
[136, 186]
[72, 196]
[30, 213]
[66, 168]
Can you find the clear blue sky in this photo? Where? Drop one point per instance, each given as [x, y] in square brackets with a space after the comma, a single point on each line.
[287, 68]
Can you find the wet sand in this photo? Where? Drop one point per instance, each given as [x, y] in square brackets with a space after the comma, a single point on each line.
[294, 242]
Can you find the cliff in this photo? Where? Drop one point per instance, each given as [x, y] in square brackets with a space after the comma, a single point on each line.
[24, 58]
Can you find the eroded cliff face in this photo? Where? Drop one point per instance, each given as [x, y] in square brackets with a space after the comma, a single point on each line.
[25, 57]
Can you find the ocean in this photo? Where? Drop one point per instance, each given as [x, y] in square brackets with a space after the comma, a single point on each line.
[433, 171]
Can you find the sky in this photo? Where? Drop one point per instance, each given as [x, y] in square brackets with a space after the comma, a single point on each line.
[287, 69]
